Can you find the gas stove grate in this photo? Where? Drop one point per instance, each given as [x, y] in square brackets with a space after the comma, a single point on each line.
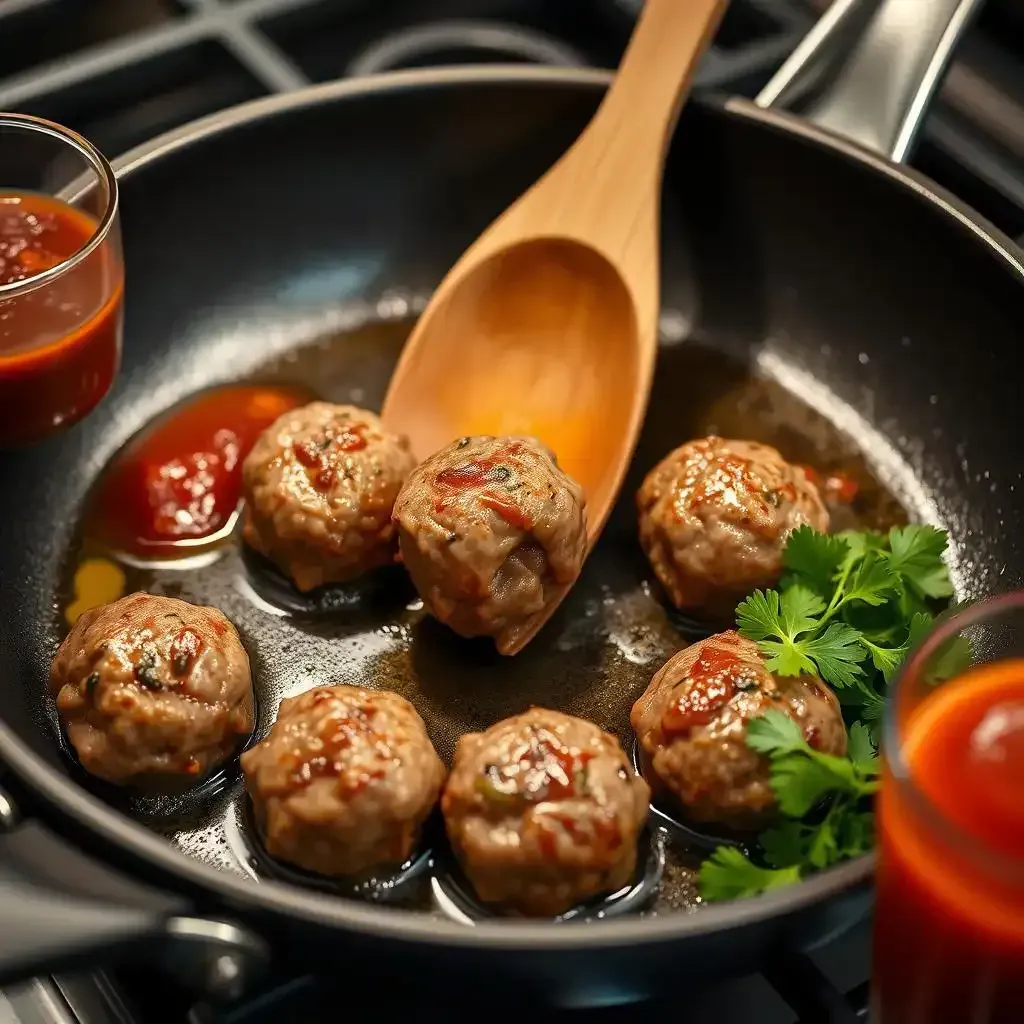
[122, 71]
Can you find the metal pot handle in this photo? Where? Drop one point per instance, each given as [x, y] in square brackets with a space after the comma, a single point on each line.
[61, 909]
[883, 81]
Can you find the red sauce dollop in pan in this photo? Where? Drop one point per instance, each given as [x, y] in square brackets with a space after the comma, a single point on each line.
[177, 486]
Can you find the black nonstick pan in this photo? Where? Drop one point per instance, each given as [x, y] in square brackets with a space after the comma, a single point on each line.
[815, 296]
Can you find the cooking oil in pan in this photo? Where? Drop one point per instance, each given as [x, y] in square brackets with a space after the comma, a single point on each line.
[593, 659]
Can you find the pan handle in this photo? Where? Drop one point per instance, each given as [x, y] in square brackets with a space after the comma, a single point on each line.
[61, 909]
[883, 82]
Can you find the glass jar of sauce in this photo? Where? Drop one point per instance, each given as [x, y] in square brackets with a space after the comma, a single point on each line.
[61, 278]
[949, 923]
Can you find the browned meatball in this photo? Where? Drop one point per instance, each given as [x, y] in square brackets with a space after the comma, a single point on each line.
[320, 484]
[692, 726]
[715, 516]
[152, 686]
[492, 533]
[543, 811]
[344, 781]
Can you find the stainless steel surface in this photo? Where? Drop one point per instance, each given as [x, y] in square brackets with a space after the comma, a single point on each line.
[420, 42]
[820, 48]
[881, 92]
[217, 959]
[38, 1001]
[8, 814]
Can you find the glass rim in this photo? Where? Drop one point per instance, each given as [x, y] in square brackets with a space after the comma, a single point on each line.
[104, 171]
[970, 847]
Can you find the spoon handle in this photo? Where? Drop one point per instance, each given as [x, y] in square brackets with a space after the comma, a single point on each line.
[609, 181]
[654, 77]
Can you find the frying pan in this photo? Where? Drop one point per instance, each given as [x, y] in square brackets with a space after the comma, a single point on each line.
[815, 295]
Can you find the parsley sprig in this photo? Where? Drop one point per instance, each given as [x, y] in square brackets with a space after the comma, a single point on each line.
[802, 778]
[848, 609]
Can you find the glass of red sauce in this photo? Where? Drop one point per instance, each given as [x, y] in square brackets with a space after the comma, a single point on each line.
[949, 918]
[61, 278]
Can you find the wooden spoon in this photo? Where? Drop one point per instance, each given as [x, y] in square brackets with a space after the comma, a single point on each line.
[547, 325]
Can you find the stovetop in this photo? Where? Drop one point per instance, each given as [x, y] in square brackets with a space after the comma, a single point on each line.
[121, 71]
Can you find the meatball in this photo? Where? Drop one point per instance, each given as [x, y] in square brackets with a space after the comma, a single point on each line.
[344, 781]
[152, 686]
[493, 534]
[715, 516]
[692, 726]
[320, 484]
[543, 811]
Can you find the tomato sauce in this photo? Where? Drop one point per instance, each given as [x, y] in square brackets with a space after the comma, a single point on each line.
[60, 344]
[837, 487]
[484, 474]
[713, 681]
[178, 485]
[949, 935]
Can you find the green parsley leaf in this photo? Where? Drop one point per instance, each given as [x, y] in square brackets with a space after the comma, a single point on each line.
[784, 844]
[954, 656]
[774, 733]
[920, 624]
[800, 608]
[759, 618]
[728, 874]
[801, 780]
[859, 748]
[823, 848]
[885, 659]
[873, 582]
[836, 652]
[814, 558]
[860, 542]
[916, 555]
[870, 702]
[855, 832]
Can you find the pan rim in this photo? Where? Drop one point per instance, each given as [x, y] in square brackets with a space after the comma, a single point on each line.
[111, 829]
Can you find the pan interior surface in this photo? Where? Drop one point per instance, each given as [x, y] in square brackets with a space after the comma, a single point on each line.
[298, 249]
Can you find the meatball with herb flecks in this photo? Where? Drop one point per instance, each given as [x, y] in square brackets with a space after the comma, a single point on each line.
[543, 811]
[714, 519]
[320, 484]
[493, 534]
[692, 727]
[153, 686]
[344, 781]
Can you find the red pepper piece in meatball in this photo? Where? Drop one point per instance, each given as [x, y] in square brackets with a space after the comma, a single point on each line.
[153, 686]
[544, 811]
[320, 484]
[715, 516]
[492, 533]
[692, 726]
[344, 781]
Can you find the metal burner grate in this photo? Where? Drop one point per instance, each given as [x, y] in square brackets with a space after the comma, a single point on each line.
[122, 71]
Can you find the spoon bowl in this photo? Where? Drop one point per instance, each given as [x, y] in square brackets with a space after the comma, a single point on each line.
[569, 364]
[547, 325]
